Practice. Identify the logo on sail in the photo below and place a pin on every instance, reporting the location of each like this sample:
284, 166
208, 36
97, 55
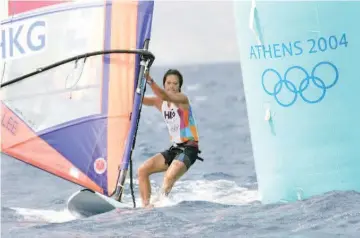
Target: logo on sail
19, 40
100, 165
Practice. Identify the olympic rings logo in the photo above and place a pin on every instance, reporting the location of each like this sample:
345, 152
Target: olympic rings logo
304, 84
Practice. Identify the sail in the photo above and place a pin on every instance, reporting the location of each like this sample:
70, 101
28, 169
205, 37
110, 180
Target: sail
73, 117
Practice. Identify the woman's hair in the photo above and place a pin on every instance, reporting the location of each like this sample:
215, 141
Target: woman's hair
174, 72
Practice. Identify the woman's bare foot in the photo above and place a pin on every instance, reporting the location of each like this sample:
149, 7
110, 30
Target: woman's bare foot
149, 206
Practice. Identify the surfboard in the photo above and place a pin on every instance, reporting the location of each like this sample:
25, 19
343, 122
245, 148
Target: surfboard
86, 203
71, 94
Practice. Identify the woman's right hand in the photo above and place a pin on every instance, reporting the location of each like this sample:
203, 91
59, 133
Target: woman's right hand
148, 78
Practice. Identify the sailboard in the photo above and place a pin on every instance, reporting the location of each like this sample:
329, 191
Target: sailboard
76, 117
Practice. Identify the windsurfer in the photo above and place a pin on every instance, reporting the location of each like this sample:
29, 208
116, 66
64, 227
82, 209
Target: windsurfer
179, 118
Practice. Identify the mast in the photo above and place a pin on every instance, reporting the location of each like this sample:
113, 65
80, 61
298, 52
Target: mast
135, 117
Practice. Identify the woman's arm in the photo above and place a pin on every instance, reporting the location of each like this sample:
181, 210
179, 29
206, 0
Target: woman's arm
152, 101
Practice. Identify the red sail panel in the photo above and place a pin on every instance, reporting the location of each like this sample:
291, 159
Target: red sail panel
18, 6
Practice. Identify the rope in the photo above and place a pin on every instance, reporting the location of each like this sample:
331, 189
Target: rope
131, 183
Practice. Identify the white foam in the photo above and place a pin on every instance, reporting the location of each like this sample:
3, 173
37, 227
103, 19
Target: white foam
219, 191
39, 215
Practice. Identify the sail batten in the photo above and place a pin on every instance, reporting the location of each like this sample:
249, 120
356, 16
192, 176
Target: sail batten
72, 117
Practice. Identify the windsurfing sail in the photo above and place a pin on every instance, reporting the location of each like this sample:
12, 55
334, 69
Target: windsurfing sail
77, 116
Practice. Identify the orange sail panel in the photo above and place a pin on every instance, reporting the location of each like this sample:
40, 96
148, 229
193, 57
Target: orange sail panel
121, 84
73, 120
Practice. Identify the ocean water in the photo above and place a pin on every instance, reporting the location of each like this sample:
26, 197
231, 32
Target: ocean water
216, 198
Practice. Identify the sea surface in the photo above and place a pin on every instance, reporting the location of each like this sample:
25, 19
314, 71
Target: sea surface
216, 198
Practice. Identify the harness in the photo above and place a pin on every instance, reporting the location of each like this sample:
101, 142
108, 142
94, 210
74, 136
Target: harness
183, 147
